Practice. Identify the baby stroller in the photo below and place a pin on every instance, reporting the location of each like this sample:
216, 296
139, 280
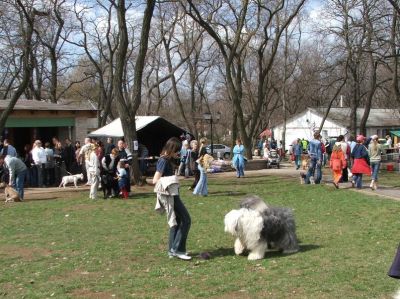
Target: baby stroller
273, 159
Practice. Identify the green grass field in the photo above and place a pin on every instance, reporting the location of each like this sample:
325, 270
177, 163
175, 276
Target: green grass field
69, 248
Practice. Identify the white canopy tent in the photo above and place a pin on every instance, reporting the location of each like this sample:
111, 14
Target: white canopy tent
152, 131
114, 128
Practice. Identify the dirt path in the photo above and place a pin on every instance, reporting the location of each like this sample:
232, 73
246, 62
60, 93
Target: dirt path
285, 171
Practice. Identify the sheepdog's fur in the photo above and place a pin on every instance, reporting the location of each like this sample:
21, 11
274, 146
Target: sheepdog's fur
258, 226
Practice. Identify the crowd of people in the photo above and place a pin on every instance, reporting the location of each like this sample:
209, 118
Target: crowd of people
44, 165
349, 160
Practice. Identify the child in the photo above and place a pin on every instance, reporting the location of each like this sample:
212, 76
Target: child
122, 179
337, 164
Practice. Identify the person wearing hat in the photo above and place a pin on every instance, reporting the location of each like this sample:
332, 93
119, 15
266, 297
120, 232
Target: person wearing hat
360, 162
375, 152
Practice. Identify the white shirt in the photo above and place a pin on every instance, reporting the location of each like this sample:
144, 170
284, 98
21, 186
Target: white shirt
38, 155
389, 142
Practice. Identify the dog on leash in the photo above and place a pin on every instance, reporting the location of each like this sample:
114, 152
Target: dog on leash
11, 194
258, 227
73, 178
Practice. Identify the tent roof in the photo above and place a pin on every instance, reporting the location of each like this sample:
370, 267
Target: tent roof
152, 131
396, 133
114, 128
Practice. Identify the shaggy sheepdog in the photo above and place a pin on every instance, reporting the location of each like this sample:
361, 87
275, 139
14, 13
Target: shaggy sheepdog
258, 227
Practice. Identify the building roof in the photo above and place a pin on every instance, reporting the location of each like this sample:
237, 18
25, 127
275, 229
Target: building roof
384, 118
377, 117
47, 106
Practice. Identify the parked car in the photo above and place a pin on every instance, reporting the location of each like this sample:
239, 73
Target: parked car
220, 150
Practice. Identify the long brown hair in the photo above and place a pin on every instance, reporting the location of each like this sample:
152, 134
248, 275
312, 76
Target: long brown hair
172, 146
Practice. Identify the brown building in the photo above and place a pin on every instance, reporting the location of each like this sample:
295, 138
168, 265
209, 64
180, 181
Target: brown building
31, 120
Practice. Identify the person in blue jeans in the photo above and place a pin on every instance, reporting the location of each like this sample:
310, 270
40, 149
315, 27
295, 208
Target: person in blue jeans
297, 151
177, 234
315, 154
375, 152
238, 158
17, 172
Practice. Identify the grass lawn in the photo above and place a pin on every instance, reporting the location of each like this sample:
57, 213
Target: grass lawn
70, 248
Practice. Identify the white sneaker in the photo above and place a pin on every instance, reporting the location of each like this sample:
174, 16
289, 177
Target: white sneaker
179, 255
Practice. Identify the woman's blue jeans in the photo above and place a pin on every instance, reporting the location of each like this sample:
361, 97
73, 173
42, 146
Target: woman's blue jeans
357, 178
297, 159
375, 170
178, 233
239, 169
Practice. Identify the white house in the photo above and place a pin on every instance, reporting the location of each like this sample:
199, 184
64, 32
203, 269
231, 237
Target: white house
303, 125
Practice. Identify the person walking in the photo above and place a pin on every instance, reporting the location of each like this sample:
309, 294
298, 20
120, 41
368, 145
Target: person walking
179, 220
17, 172
337, 163
297, 152
340, 141
193, 164
360, 162
315, 154
375, 152
238, 158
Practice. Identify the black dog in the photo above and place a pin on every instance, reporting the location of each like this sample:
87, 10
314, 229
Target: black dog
108, 183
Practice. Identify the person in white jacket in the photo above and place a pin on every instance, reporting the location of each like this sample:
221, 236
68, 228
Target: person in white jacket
39, 160
93, 167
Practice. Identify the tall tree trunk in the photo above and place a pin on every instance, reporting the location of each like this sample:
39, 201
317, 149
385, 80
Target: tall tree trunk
128, 108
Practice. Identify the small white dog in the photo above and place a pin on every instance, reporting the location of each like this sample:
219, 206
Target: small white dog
257, 226
71, 179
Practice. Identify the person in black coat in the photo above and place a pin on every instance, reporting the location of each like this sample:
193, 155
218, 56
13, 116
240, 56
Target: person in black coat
69, 155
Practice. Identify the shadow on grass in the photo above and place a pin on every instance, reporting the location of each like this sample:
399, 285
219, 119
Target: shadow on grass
226, 193
142, 195
303, 248
219, 252
36, 198
222, 252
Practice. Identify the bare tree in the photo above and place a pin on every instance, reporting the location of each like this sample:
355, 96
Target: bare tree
27, 17
127, 108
